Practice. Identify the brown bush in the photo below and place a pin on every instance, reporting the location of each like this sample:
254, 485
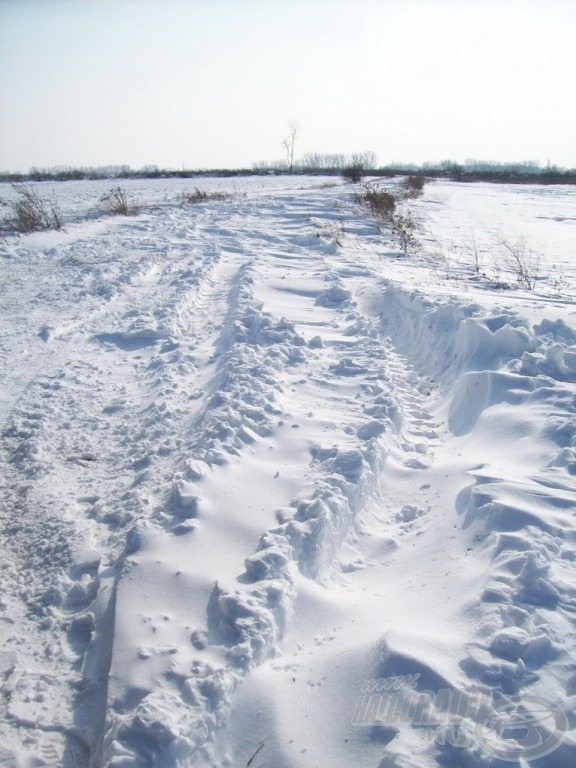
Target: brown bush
117, 203
413, 186
198, 196
381, 203
30, 213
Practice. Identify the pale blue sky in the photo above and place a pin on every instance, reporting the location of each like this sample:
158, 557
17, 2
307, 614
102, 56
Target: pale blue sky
214, 83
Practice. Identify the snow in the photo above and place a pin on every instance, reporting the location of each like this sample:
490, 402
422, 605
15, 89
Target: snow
258, 463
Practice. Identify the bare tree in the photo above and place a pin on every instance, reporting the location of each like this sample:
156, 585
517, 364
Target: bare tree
289, 142
367, 160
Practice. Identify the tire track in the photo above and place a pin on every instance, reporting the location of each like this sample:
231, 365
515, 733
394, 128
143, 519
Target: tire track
61, 549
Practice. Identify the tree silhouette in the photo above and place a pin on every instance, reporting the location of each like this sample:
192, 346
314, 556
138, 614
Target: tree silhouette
289, 142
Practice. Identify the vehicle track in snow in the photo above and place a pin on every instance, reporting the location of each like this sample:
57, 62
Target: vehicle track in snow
252, 424
295, 272
439, 499
86, 445
301, 351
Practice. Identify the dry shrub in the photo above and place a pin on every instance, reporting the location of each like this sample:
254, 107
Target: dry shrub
353, 172
413, 186
198, 196
403, 227
116, 202
30, 213
520, 259
381, 203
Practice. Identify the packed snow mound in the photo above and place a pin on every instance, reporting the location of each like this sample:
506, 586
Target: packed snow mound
278, 493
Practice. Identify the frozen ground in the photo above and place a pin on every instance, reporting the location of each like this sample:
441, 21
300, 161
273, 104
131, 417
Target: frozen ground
276, 494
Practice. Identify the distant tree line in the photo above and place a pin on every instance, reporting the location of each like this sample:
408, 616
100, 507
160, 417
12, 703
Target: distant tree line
67, 173
318, 162
526, 172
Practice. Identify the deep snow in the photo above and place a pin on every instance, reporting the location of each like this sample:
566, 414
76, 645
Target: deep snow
259, 467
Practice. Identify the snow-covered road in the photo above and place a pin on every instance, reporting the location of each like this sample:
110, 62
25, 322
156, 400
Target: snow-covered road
253, 457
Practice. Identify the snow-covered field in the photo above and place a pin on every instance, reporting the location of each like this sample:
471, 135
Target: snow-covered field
276, 494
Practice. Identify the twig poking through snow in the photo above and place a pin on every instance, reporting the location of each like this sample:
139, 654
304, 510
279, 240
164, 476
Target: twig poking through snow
254, 755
